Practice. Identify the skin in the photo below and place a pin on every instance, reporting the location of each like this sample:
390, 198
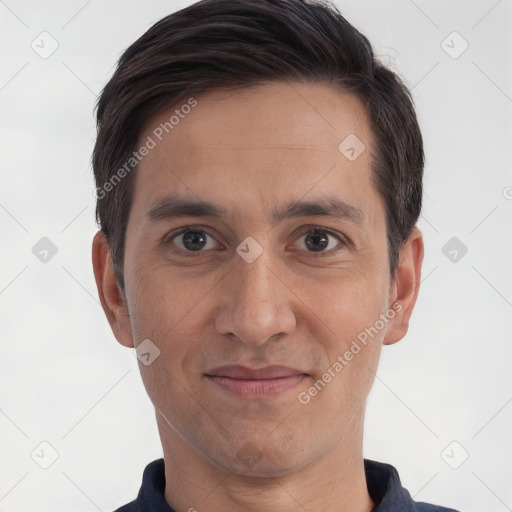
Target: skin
250, 152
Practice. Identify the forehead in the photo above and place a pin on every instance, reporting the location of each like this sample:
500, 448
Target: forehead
309, 117
258, 144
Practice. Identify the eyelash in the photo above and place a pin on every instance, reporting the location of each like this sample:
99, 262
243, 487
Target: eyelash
317, 229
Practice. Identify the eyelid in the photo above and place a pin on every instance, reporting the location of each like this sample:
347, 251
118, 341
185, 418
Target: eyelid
304, 230
342, 239
168, 239
179, 231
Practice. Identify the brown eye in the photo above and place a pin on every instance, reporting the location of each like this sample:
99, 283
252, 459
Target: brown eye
193, 240
316, 241
321, 241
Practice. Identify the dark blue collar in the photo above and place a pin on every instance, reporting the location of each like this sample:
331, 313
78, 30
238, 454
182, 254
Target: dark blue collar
382, 480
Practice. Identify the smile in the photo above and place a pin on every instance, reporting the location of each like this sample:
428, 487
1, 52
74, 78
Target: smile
258, 383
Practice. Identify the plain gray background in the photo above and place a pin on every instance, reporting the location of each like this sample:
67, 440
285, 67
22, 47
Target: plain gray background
442, 394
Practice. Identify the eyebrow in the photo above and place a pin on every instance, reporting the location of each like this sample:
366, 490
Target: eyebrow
173, 207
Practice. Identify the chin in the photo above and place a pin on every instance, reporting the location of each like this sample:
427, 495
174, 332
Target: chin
265, 467
260, 458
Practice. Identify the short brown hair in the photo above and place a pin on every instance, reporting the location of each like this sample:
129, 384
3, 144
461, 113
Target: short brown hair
215, 44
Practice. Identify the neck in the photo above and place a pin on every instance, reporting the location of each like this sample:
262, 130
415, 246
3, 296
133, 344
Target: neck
335, 482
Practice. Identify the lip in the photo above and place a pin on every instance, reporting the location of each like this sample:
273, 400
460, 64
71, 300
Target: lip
256, 382
267, 372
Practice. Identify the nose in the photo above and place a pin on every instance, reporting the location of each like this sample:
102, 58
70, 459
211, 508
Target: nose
258, 306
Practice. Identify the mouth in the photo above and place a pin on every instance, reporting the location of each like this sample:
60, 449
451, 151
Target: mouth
256, 383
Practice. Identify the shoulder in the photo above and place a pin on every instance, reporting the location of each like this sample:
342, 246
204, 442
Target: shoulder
389, 495
129, 507
151, 492
427, 507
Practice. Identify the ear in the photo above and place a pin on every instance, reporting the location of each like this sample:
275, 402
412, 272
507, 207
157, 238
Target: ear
111, 296
405, 287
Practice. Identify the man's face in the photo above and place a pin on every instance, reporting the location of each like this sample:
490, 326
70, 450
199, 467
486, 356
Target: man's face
300, 303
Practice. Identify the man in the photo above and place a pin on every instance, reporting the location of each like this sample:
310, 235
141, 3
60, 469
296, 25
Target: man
259, 178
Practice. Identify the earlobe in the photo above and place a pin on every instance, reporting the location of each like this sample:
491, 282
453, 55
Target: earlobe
406, 286
110, 294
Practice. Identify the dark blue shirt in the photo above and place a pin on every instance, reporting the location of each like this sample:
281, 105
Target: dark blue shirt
382, 480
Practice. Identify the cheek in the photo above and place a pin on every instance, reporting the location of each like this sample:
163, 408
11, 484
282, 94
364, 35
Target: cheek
160, 299
166, 312
345, 304
350, 309
351, 347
